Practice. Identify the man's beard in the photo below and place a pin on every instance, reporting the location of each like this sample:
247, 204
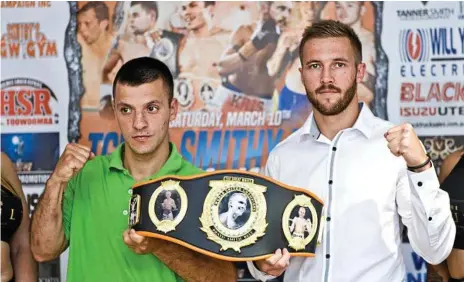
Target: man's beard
337, 108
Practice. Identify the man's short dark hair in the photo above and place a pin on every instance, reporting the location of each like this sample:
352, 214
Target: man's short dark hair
143, 70
148, 6
210, 3
331, 28
100, 8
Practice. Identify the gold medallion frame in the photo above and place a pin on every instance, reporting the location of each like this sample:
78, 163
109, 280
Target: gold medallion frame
295, 242
248, 233
168, 225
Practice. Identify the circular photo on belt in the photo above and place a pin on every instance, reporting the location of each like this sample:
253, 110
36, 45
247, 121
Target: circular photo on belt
168, 205
234, 213
299, 222
234, 210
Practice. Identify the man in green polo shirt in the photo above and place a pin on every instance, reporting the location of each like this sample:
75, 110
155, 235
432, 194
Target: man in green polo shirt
85, 202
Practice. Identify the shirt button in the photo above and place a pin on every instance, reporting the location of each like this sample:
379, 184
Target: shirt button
334, 149
327, 256
330, 182
129, 191
430, 218
328, 218
419, 183
124, 212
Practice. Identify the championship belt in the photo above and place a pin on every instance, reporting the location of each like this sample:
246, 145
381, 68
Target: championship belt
231, 215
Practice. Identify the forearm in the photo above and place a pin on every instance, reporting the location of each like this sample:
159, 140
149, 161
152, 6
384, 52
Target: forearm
193, 266
47, 233
437, 273
105, 73
112, 61
232, 63
278, 63
455, 263
25, 267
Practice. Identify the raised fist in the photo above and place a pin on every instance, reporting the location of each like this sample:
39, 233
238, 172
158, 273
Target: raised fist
71, 162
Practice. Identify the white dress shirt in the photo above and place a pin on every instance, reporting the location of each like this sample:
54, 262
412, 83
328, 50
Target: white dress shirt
366, 191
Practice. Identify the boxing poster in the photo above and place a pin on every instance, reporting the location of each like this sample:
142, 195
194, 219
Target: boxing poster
231, 112
59, 60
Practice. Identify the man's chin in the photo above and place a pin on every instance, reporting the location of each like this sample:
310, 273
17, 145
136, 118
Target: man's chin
140, 150
329, 110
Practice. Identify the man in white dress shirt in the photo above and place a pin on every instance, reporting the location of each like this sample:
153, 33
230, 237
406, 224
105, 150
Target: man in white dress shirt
370, 174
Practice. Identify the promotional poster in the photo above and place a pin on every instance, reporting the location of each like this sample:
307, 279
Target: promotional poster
59, 60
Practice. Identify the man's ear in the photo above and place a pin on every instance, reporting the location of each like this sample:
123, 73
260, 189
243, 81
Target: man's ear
104, 25
173, 108
153, 15
360, 71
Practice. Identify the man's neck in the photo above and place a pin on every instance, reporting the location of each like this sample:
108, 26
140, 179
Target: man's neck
140, 39
101, 45
143, 166
203, 31
329, 126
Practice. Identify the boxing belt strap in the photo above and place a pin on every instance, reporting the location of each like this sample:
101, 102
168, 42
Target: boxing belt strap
231, 215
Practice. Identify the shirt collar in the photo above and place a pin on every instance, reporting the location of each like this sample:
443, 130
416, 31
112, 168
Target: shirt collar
364, 124
172, 164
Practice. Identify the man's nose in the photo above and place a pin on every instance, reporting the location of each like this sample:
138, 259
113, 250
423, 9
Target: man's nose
286, 13
327, 76
140, 121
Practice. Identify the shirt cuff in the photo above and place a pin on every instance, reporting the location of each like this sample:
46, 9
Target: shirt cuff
257, 274
425, 186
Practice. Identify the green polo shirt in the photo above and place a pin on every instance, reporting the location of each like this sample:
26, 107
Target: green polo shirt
95, 214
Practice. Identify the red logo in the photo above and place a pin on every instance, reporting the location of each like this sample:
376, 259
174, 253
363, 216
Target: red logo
27, 101
413, 45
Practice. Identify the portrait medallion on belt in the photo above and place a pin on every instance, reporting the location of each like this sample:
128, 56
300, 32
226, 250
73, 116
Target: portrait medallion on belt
134, 206
168, 205
234, 212
299, 222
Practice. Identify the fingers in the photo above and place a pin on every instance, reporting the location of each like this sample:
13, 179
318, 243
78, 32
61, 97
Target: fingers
138, 244
398, 139
392, 136
85, 151
78, 151
80, 146
78, 154
284, 261
127, 239
72, 160
406, 127
395, 129
276, 264
275, 258
136, 237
